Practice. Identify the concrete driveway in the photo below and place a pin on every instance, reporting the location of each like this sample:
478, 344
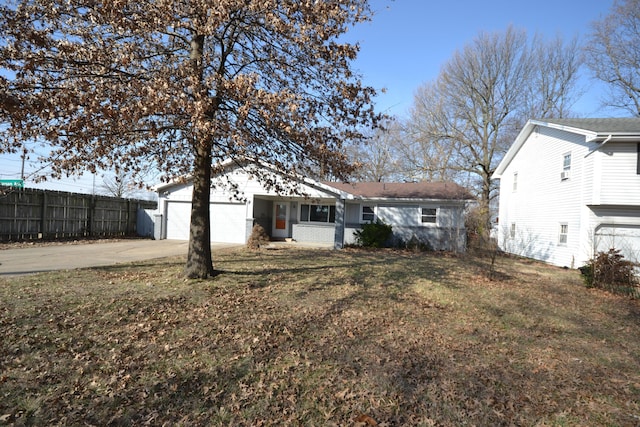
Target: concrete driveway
19, 261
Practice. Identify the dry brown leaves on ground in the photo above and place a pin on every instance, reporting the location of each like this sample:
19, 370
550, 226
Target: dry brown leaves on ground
301, 337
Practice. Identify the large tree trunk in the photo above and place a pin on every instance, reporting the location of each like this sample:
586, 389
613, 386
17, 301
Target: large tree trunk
485, 200
199, 261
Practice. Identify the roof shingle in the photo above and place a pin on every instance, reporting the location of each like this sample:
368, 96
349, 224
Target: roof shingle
404, 190
602, 125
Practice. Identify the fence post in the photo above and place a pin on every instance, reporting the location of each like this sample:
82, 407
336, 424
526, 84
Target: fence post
43, 216
91, 214
128, 231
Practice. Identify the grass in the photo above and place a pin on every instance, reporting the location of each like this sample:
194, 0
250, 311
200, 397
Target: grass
301, 337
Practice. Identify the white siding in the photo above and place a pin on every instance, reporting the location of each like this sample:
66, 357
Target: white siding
542, 200
247, 186
620, 183
399, 215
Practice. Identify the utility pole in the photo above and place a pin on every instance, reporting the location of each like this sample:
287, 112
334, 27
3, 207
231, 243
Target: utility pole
24, 156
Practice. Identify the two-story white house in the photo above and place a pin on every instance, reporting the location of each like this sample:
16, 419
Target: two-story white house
570, 188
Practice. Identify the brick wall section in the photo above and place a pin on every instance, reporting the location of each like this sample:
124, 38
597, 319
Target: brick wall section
314, 233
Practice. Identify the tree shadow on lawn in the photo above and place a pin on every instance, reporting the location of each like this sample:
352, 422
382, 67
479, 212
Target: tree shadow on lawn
373, 365
365, 347
352, 270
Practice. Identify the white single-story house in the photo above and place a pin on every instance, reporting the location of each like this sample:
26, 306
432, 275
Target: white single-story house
326, 213
570, 188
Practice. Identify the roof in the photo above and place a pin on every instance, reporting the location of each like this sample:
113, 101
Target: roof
600, 130
403, 190
630, 125
366, 190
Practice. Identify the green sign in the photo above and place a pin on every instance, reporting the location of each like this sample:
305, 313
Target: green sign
18, 183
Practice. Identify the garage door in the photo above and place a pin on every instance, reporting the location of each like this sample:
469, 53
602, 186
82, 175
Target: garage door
178, 217
227, 222
626, 238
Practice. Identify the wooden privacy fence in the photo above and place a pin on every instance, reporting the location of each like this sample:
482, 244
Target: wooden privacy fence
28, 214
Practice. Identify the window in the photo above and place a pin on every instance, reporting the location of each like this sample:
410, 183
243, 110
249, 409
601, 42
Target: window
512, 230
564, 232
317, 213
515, 181
566, 166
429, 215
368, 214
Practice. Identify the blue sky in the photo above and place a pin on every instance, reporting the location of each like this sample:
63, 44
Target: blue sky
409, 40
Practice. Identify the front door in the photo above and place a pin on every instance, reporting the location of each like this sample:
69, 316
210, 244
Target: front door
280, 220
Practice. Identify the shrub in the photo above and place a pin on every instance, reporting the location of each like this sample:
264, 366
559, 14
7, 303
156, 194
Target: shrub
373, 235
258, 237
610, 271
479, 239
477, 225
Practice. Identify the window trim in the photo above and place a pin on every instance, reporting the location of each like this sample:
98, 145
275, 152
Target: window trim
563, 237
566, 168
373, 212
435, 216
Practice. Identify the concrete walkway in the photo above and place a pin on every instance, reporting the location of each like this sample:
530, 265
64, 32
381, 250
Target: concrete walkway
19, 261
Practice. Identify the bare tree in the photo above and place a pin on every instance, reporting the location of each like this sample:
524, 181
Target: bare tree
466, 119
423, 155
553, 87
614, 54
376, 157
182, 85
120, 184
116, 186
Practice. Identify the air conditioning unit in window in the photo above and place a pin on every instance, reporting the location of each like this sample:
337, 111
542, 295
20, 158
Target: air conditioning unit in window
564, 175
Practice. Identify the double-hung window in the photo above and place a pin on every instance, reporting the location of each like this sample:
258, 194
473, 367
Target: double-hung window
564, 234
566, 166
429, 215
368, 214
515, 181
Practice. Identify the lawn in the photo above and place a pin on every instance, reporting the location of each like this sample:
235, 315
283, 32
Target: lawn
302, 337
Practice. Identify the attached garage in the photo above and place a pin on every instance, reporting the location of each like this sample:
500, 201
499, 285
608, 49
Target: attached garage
624, 237
313, 213
228, 223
